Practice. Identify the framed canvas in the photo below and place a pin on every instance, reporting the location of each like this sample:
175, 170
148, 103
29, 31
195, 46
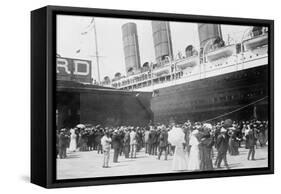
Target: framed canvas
126, 96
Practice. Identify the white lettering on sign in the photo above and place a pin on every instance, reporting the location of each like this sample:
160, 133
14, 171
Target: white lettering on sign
78, 63
80, 67
63, 63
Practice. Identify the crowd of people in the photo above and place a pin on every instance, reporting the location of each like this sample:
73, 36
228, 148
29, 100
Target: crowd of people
192, 145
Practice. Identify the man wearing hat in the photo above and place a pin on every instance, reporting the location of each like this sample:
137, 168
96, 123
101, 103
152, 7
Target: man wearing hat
222, 147
163, 142
252, 139
133, 143
150, 139
116, 144
105, 142
146, 140
63, 143
98, 136
127, 143
153, 143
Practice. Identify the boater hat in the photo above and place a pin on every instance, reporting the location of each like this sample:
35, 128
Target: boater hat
195, 132
223, 130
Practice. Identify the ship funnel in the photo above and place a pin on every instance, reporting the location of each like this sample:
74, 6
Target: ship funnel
162, 40
131, 47
208, 32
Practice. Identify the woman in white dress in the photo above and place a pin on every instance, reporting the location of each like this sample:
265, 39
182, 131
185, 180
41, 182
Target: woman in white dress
72, 144
194, 157
176, 138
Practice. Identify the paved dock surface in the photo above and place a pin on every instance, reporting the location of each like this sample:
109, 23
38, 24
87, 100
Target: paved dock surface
89, 164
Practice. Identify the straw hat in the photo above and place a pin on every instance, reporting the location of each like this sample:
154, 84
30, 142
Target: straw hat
223, 130
195, 132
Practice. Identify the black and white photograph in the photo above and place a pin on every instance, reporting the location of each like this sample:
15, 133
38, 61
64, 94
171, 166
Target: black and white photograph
146, 97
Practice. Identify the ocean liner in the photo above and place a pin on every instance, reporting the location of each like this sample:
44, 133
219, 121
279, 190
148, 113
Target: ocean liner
215, 81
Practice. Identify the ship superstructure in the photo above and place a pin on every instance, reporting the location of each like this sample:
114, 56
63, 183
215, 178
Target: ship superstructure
193, 85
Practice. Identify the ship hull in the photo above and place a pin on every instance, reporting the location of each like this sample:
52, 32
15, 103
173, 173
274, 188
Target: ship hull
240, 95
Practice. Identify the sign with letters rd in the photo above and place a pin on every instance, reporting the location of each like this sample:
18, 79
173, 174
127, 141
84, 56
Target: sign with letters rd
79, 70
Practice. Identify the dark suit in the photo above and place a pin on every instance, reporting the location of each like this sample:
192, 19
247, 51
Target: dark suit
154, 139
163, 144
222, 147
63, 144
252, 140
97, 140
205, 149
91, 141
127, 144
122, 135
150, 141
116, 144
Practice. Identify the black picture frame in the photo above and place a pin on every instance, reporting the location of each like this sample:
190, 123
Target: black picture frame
43, 85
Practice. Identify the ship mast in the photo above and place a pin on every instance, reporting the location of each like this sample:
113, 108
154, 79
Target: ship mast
97, 52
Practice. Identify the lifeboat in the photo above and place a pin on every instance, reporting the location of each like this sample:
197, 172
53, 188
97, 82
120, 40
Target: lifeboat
255, 42
188, 62
221, 52
162, 71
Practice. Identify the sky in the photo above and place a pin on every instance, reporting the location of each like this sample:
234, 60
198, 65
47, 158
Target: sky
71, 37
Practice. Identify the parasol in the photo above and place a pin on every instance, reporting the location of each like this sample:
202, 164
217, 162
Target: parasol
208, 126
80, 126
176, 136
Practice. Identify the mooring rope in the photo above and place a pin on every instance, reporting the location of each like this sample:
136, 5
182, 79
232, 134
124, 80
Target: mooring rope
236, 110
